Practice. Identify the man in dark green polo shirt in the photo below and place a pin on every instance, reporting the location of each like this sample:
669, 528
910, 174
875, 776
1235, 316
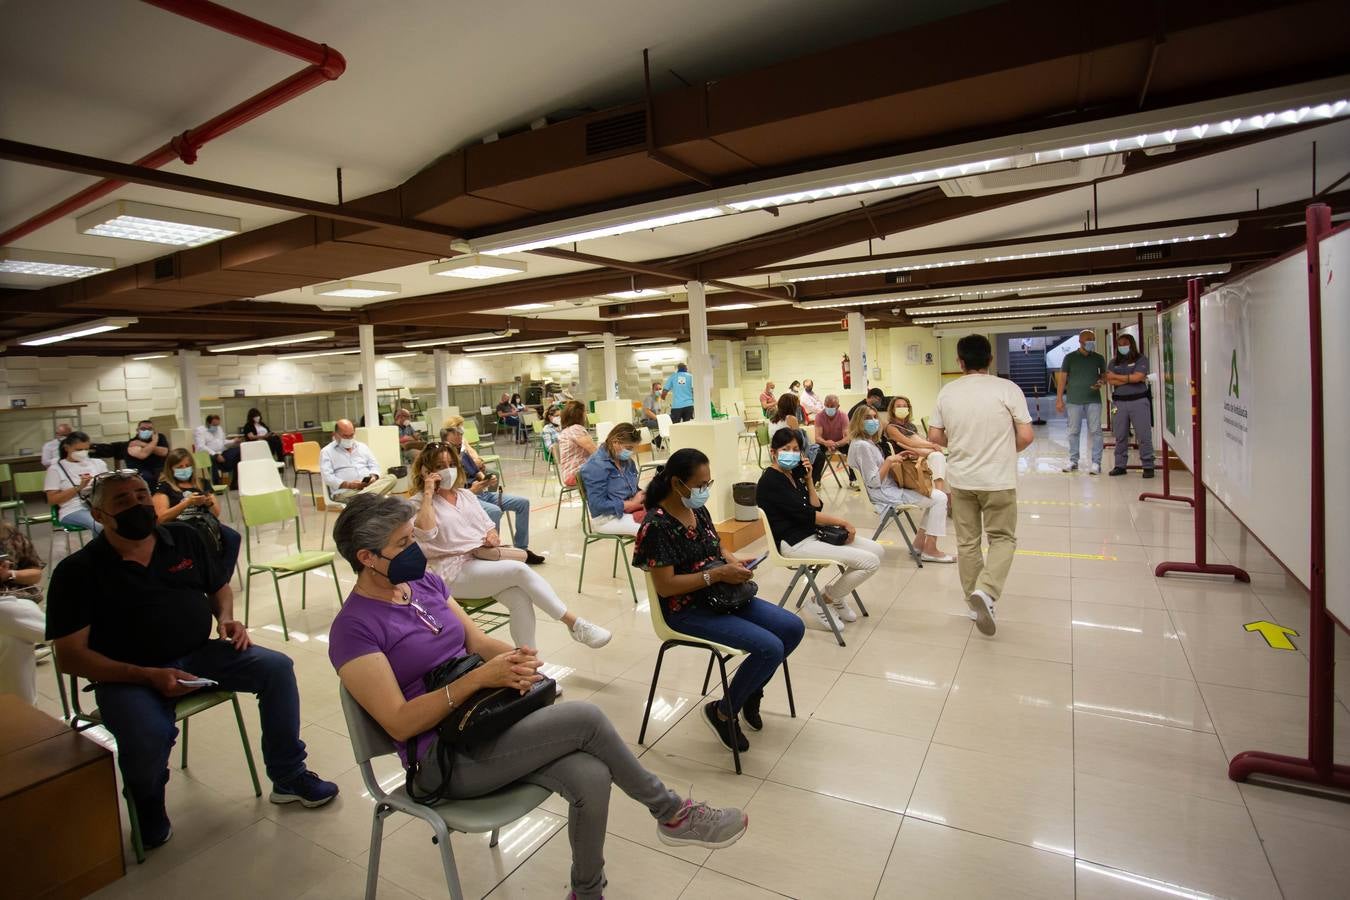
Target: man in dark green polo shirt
1080, 378
131, 612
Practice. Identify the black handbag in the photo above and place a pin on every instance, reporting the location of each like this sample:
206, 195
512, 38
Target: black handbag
832, 534
724, 597
481, 717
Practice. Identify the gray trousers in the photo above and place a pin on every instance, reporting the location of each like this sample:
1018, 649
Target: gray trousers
573, 750
1139, 414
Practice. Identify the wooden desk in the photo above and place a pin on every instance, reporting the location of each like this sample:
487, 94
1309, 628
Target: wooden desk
735, 535
59, 803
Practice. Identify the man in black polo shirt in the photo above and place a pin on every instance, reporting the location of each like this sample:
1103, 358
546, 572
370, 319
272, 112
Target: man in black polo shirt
131, 612
876, 398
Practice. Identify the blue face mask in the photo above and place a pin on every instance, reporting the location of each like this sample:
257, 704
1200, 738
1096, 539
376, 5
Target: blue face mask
831, 411
145, 435
182, 474
409, 565
872, 426
1089, 346
625, 454
789, 459
698, 497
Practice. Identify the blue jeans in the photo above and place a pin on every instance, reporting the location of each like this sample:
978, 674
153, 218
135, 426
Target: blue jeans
82, 517
142, 721
1093, 413
767, 632
493, 502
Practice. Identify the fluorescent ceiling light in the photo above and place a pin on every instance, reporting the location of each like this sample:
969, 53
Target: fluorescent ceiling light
834, 322
304, 338
530, 307
461, 339
79, 330
513, 352
641, 294
1054, 300
585, 228
731, 307
476, 267
1038, 314
350, 352
400, 355
645, 315
359, 290
1026, 250
135, 221
151, 356
52, 265
634, 342
1047, 285
476, 350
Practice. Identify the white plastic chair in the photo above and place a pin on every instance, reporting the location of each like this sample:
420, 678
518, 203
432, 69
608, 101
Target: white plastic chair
260, 476
602, 430
490, 812
719, 653
805, 568
663, 424
253, 450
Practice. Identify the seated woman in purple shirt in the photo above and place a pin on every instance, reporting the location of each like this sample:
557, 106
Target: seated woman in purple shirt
399, 623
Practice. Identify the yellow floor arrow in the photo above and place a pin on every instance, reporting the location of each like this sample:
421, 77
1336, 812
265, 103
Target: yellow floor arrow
1275, 635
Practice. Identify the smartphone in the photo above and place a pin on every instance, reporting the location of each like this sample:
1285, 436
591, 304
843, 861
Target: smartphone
754, 562
197, 682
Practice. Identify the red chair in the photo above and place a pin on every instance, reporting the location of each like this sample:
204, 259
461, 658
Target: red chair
289, 440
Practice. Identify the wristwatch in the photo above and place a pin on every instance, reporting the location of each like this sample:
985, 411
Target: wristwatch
707, 579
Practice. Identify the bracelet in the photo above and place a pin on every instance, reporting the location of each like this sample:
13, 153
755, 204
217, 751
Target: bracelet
707, 579
449, 701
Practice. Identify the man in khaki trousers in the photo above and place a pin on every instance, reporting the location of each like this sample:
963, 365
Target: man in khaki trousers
983, 422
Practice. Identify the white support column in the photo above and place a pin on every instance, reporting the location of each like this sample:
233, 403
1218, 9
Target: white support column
441, 363
611, 367
857, 352
700, 361
370, 406
733, 363
190, 388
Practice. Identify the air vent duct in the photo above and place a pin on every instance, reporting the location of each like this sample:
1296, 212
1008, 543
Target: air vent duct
166, 267
622, 132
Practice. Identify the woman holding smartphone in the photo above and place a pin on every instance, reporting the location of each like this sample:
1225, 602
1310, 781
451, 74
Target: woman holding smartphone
678, 544
787, 494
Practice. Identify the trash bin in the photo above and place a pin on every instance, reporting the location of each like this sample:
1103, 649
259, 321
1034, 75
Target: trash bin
743, 497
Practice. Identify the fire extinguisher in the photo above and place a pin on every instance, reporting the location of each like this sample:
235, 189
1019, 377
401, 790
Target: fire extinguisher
847, 372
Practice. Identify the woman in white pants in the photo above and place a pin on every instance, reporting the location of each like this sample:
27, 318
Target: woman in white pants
880, 478
901, 434
464, 549
787, 494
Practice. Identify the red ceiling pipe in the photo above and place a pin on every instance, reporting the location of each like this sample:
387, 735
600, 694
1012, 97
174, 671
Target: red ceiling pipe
325, 64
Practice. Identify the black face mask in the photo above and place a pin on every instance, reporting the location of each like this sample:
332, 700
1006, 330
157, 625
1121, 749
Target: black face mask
136, 523
409, 564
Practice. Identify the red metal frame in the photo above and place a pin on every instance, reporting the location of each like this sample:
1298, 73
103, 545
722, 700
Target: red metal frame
325, 64
1162, 436
1201, 566
1318, 767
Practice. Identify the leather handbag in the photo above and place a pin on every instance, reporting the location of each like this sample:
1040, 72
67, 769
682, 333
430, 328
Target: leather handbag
916, 476
832, 534
725, 597
480, 718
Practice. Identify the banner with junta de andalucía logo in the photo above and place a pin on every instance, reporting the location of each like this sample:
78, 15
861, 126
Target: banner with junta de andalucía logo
1232, 324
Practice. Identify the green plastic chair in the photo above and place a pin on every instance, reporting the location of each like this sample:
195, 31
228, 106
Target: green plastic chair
537, 440
202, 459
59, 527
621, 543
761, 441
480, 610
328, 426
471, 439
30, 483
265, 509
16, 504
563, 489
183, 710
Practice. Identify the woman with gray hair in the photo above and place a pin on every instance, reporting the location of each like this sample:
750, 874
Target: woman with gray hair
399, 623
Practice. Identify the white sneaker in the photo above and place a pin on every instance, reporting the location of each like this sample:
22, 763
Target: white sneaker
982, 611
591, 635
843, 611
821, 619
1071, 467
1094, 469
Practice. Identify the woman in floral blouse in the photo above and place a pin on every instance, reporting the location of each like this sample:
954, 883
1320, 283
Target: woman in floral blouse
679, 545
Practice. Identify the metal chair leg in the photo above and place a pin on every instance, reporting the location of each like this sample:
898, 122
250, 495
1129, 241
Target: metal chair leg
787, 680
862, 609
182, 761
825, 607
276, 583
442, 838
707, 676
726, 693
376, 841
492, 841
586, 545
651, 694
248, 751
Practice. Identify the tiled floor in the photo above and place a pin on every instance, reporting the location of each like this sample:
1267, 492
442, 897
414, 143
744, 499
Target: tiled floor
1082, 751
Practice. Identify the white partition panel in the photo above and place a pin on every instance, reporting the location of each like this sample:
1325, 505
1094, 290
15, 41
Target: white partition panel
1174, 341
1335, 280
1255, 403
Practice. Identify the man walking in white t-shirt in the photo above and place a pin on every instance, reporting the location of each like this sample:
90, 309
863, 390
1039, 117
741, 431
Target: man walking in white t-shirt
983, 422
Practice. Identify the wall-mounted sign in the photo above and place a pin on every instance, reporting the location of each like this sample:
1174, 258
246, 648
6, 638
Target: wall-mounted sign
239, 392
18, 404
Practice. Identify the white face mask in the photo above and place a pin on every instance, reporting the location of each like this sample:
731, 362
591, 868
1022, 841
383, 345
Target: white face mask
214, 429
78, 455
555, 420
346, 443
448, 476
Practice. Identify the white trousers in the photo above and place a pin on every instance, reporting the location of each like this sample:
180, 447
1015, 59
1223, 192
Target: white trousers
624, 524
861, 558
937, 464
934, 519
22, 624
517, 587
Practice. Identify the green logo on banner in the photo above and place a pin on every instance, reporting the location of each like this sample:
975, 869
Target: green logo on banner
1233, 385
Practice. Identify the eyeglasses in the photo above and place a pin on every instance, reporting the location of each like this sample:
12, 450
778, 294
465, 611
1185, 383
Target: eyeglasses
427, 618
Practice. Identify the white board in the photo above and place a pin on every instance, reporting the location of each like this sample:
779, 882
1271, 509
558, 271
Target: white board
1335, 280
1254, 400
1174, 368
